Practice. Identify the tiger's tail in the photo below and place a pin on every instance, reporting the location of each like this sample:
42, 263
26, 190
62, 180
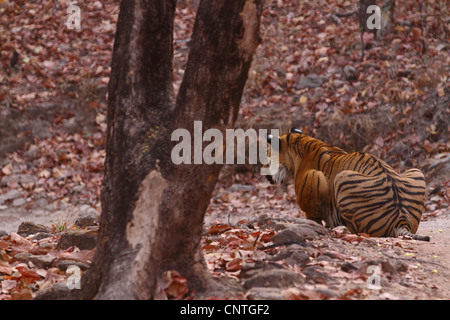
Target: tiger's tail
403, 232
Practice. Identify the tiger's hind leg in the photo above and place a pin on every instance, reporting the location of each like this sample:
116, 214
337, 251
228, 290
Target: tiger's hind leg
311, 189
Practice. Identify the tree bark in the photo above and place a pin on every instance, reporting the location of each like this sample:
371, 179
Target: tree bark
152, 210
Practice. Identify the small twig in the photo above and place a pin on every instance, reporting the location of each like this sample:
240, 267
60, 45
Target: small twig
254, 243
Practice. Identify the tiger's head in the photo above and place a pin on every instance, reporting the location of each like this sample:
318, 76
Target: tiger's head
281, 164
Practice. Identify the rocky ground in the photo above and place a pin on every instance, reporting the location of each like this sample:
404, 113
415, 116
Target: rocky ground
258, 244
276, 254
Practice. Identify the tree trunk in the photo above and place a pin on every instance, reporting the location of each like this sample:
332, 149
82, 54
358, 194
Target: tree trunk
152, 209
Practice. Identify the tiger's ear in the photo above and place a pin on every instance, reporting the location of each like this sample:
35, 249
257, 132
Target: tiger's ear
296, 130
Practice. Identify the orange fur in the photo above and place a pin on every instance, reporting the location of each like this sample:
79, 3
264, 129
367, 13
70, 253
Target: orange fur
357, 190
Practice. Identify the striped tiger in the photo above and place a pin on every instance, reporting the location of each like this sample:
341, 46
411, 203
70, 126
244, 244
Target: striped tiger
357, 190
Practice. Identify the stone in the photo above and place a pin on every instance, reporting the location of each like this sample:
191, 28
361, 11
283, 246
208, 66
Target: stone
65, 263
32, 153
46, 245
298, 258
259, 293
315, 274
42, 235
241, 188
59, 291
42, 261
265, 222
27, 228
350, 73
273, 278
23, 179
308, 229
10, 195
86, 221
310, 81
82, 239
41, 203
287, 235
39, 261
19, 202
437, 170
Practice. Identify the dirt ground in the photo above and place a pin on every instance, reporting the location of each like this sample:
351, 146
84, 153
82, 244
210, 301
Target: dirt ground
329, 264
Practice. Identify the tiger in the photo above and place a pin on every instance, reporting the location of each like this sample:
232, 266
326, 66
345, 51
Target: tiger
356, 190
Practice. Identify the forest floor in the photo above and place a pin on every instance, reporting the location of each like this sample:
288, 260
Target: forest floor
307, 72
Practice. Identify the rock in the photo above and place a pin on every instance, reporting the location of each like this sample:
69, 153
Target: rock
259, 293
275, 224
323, 257
333, 254
41, 203
250, 270
348, 267
287, 235
10, 195
273, 278
263, 221
307, 229
241, 188
298, 258
65, 263
23, 179
46, 245
437, 170
19, 202
85, 209
315, 274
310, 81
42, 235
86, 221
27, 227
32, 153
350, 73
393, 266
59, 291
40, 261
78, 188
82, 239
327, 293
3, 233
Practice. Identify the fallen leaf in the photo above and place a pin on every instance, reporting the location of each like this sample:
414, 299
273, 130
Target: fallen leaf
216, 229
234, 265
175, 285
5, 268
